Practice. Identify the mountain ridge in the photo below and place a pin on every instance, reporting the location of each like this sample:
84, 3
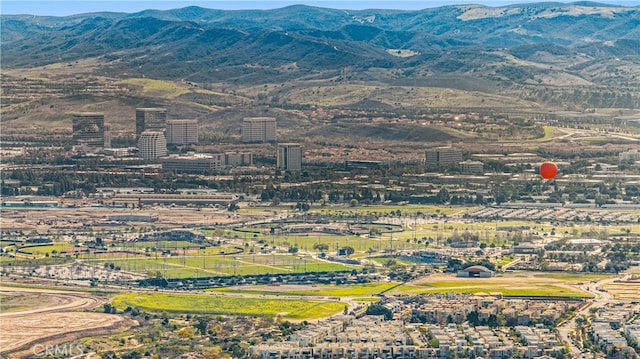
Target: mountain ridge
521, 49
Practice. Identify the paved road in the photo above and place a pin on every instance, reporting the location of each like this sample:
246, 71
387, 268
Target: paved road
601, 298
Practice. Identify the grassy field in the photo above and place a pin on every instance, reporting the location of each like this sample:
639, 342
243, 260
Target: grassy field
171, 245
355, 290
11, 303
538, 291
548, 135
384, 260
575, 277
366, 300
157, 88
42, 250
516, 285
216, 265
409, 209
205, 304
408, 96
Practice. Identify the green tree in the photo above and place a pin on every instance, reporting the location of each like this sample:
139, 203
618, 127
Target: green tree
434, 343
443, 196
347, 250
202, 325
322, 247
377, 309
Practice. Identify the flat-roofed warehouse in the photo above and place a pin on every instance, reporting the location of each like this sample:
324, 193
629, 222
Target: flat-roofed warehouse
178, 199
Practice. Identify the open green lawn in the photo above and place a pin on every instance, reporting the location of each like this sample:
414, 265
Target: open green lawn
538, 290
504, 260
384, 260
366, 299
206, 304
511, 284
575, 277
355, 290
57, 247
548, 135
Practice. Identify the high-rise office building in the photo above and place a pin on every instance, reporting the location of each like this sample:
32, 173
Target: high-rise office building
289, 156
259, 129
182, 132
88, 129
152, 145
150, 119
442, 156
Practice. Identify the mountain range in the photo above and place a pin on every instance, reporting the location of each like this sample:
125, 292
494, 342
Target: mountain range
542, 51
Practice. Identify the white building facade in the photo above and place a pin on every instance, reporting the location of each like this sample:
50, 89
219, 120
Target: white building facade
152, 145
182, 132
259, 129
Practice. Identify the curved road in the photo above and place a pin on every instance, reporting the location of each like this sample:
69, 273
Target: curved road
601, 298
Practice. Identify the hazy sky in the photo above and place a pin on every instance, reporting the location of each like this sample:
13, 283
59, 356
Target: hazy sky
61, 8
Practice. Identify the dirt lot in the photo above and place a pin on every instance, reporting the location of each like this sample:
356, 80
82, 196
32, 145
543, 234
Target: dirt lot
62, 219
624, 290
57, 320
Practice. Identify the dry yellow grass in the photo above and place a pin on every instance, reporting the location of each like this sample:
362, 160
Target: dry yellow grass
157, 88
406, 96
629, 290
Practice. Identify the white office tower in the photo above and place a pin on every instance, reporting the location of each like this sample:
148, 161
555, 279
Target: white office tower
289, 157
152, 145
443, 156
259, 129
182, 132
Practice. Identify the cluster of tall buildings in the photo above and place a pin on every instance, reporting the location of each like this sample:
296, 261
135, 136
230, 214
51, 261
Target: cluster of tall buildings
262, 130
154, 132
